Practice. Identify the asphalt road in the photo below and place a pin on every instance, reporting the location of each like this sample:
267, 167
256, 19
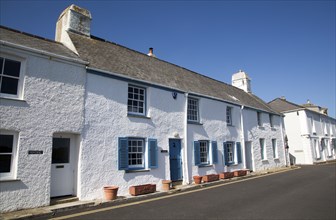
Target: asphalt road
306, 193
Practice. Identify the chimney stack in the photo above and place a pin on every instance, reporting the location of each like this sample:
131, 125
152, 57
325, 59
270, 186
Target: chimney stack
151, 54
242, 81
75, 19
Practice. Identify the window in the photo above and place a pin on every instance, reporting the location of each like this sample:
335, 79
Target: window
10, 77
193, 109
8, 145
229, 115
271, 120
135, 152
275, 148
136, 103
317, 150
262, 149
132, 154
232, 153
204, 151
203, 155
229, 151
259, 118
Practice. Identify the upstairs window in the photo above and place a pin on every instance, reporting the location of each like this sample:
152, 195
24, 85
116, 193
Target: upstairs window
271, 117
229, 115
136, 103
193, 110
259, 119
10, 77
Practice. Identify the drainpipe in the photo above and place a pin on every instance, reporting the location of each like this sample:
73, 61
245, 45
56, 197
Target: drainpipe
284, 141
185, 148
243, 136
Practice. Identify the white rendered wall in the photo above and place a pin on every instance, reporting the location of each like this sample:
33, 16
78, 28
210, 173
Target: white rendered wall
213, 127
52, 102
252, 133
106, 120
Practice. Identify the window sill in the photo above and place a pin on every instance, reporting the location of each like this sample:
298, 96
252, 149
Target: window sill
13, 99
276, 158
265, 160
137, 116
273, 129
136, 171
205, 165
194, 123
9, 179
261, 127
230, 125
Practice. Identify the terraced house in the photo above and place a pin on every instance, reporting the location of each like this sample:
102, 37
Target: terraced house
310, 131
80, 112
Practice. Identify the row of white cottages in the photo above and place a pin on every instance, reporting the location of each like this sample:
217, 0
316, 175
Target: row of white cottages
80, 113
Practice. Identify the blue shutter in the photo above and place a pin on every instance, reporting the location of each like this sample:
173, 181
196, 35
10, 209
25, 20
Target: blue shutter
197, 153
225, 154
239, 156
214, 152
153, 155
123, 154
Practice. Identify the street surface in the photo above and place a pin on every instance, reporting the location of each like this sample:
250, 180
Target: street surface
306, 193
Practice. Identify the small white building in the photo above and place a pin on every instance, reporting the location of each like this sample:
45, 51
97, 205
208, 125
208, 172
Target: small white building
93, 113
41, 114
310, 131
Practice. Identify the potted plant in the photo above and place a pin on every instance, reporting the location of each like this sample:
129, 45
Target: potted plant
226, 175
111, 192
210, 178
142, 189
197, 179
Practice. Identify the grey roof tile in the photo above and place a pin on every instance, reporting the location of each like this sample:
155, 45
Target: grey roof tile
114, 58
35, 42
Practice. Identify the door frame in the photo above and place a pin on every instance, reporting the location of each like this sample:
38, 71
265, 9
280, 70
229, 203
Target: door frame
74, 153
180, 154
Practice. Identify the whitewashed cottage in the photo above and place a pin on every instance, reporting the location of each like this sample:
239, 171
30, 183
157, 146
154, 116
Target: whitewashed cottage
109, 115
310, 131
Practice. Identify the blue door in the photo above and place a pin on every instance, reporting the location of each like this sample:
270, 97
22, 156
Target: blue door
175, 159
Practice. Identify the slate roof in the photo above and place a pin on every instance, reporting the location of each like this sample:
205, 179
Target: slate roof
282, 105
114, 58
35, 42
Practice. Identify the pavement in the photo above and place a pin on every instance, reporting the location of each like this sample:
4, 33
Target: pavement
49, 211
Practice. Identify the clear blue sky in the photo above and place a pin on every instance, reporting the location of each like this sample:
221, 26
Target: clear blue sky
286, 47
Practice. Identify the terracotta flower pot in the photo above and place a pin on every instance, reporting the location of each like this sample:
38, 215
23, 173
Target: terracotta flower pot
197, 179
111, 192
142, 189
166, 184
210, 178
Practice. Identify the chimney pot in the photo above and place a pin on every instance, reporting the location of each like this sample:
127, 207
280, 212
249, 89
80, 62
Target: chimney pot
151, 54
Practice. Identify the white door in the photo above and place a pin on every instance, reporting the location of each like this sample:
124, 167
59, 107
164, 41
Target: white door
62, 166
248, 155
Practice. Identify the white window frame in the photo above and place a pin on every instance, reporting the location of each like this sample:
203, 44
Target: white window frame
229, 115
144, 101
231, 153
22, 61
204, 152
13, 166
263, 149
275, 149
138, 165
193, 110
